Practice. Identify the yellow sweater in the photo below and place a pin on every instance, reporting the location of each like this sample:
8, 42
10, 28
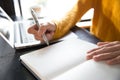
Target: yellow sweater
106, 19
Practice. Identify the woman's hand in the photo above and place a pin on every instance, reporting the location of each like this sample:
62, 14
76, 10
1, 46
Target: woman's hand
106, 51
47, 28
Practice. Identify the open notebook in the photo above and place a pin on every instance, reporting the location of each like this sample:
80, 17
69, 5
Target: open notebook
66, 60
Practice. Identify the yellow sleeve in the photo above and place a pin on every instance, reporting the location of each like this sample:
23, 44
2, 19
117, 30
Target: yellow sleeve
71, 17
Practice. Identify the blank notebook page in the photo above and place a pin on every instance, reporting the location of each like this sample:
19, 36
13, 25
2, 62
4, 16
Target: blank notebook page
56, 59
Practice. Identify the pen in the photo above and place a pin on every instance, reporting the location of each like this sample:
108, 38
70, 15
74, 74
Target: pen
37, 23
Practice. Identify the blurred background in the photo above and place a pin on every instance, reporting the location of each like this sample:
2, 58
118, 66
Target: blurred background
20, 9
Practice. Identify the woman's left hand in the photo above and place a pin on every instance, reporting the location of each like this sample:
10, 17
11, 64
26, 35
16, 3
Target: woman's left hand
106, 51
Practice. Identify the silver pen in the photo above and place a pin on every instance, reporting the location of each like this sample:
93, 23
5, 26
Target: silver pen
37, 23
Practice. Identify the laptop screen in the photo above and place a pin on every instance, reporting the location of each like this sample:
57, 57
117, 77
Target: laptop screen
16, 31
6, 24
4, 15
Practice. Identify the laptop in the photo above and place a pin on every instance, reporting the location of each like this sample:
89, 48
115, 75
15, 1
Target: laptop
16, 31
17, 34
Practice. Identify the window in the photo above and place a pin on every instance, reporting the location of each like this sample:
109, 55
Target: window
51, 8
22, 7
48, 7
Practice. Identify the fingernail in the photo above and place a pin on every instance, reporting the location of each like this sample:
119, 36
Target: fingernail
88, 52
96, 58
88, 56
110, 63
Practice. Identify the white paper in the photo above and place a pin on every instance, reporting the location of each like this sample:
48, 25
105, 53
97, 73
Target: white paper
91, 70
56, 59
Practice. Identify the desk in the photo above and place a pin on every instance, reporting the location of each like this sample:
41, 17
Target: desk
12, 69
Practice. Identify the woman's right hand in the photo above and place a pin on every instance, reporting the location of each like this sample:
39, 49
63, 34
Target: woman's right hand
47, 28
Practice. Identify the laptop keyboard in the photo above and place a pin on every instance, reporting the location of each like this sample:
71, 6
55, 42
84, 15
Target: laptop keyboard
21, 34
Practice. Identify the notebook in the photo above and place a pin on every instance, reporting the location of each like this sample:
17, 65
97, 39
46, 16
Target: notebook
17, 31
66, 60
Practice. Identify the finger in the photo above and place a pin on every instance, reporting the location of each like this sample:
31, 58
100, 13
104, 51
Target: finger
96, 50
103, 50
49, 35
106, 56
102, 43
33, 29
99, 47
45, 29
93, 50
37, 37
114, 61
42, 29
106, 44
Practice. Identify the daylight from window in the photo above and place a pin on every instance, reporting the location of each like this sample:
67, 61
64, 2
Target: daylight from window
53, 8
